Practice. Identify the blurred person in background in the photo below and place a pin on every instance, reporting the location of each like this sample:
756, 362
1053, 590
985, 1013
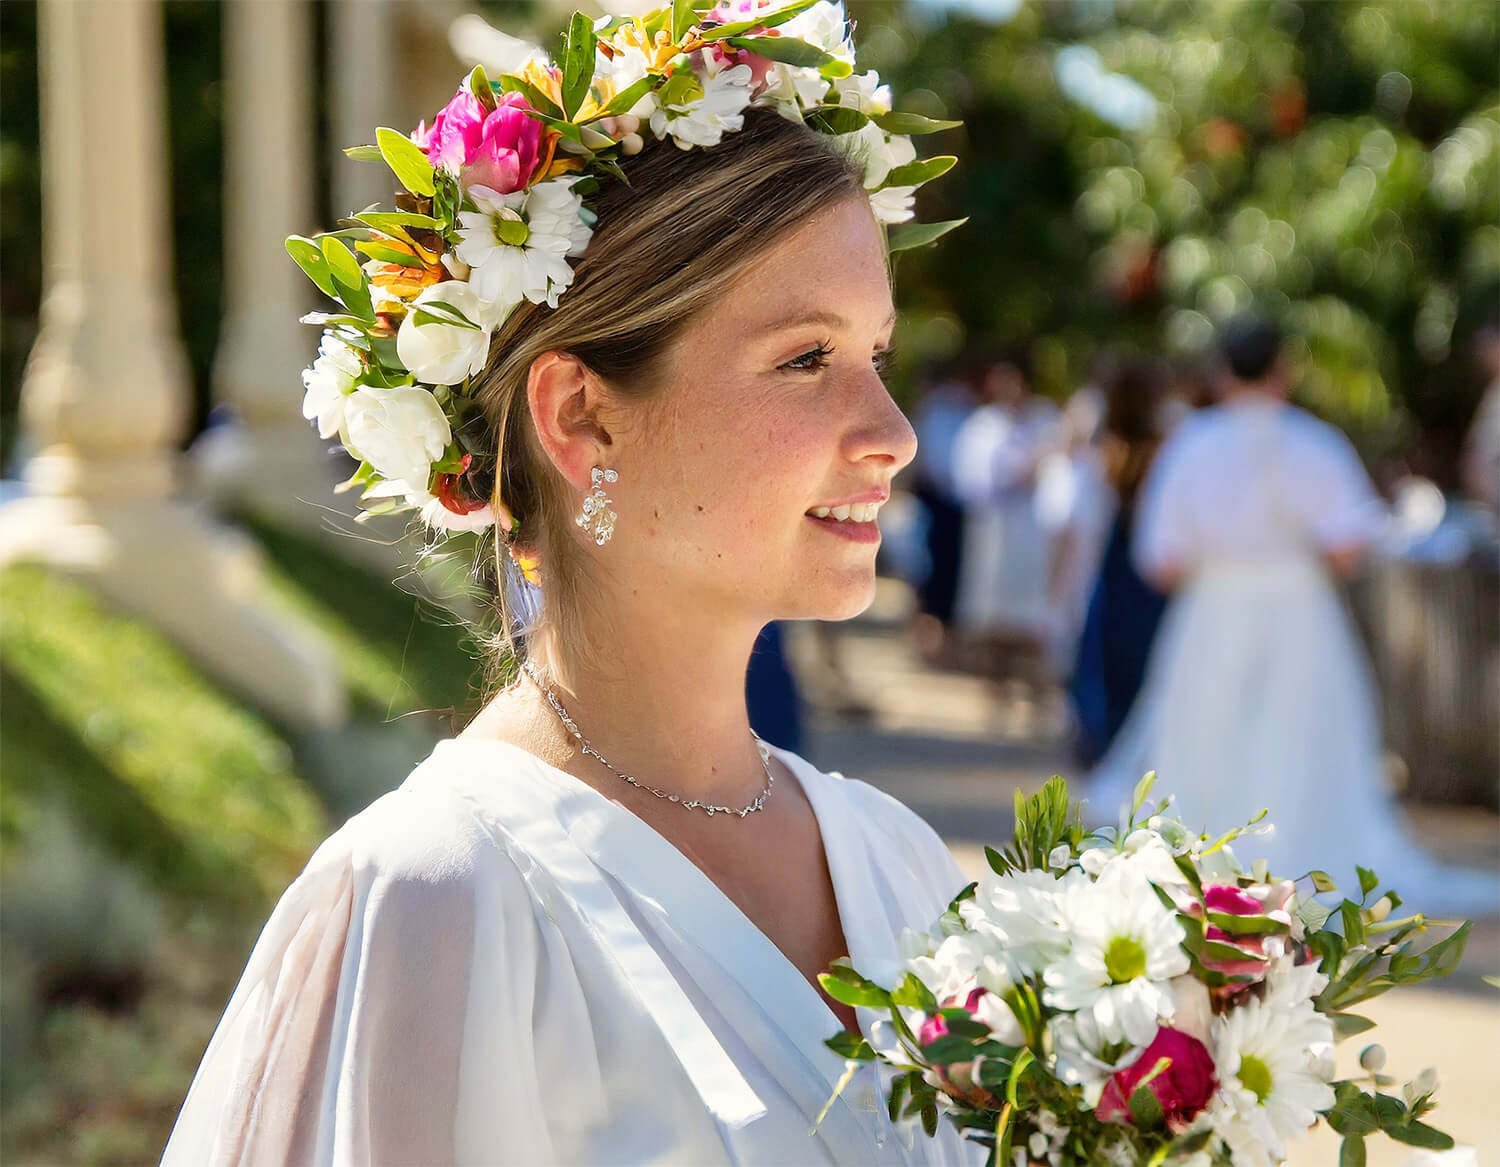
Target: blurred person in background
1124, 610
1258, 692
1002, 604
1074, 505
940, 414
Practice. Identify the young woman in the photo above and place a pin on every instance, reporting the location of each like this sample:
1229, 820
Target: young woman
588, 929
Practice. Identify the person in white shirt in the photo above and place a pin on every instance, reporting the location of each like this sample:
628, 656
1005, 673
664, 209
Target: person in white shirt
1259, 694
1003, 604
589, 928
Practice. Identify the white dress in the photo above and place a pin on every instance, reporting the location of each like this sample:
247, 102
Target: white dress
495, 963
1258, 694
1002, 586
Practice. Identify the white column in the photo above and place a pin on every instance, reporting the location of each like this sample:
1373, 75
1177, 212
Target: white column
361, 95
105, 394
269, 459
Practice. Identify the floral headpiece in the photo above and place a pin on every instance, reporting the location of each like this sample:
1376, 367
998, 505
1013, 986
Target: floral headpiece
495, 203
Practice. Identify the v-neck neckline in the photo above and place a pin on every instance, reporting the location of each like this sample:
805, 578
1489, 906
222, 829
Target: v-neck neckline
600, 832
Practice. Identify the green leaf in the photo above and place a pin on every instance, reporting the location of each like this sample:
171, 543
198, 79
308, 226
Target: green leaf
1018, 1070
441, 312
1248, 925
365, 153
684, 16
997, 861
1141, 793
898, 1095
923, 170
912, 123
1367, 880
770, 20
1419, 1134
1354, 925
1312, 913
1321, 881
309, 257
847, 987
947, 1049
578, 63
406, 160
385, 220
348, 279
930, 1119
538, 100
841, 119
913, 994
384, 252
1349, 1024
1145, 1109
834, 68
787, 50
1353, 1111
479, 86
624, 101
1352, 1151
851, 1045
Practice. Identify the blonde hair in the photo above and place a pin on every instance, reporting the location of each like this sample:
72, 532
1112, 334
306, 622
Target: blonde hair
666, 247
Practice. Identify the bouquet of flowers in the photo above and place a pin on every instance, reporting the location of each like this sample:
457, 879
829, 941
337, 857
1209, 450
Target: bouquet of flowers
1134, 995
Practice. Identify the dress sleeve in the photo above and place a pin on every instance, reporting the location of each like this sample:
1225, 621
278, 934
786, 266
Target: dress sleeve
342, 1042
1163, 524
1346, 511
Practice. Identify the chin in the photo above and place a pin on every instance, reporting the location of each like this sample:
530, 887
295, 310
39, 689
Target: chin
840, 596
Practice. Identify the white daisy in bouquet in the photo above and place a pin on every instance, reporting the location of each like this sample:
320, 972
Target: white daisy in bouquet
1134, 995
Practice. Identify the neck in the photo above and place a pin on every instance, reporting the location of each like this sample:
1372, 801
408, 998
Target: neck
667, 708
1268, 390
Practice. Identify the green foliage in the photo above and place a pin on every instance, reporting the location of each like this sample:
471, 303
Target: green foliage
160, 766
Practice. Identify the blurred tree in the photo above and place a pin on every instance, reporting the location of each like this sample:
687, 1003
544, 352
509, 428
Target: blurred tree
1137, 171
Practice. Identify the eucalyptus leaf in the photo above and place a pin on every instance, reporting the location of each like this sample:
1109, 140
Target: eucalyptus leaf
930, 1119
1349, 1024
1352, 1151
923, 170
787, 50
1419, 1134
406, 160
912, 123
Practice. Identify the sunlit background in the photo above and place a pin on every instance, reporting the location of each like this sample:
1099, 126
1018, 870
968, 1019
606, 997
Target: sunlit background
205, 667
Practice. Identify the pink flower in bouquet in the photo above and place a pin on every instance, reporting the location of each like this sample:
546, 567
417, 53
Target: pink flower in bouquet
1258, 949
497, 148
958, 1077
1182, 1089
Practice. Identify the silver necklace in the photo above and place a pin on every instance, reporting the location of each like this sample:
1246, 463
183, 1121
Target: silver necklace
709, 809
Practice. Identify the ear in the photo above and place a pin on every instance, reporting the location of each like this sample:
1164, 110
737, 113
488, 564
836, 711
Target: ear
567, 400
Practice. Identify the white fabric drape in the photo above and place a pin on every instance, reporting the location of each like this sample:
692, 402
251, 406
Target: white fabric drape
496, 964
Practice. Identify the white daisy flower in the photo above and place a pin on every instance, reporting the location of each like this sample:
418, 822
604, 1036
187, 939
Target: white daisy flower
790, 89
328, 381
1124, 947
1020, 915
517, 245
1274, 1062
1086, 1057
703, 121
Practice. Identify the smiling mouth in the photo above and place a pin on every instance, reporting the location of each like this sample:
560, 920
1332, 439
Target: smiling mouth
859, 512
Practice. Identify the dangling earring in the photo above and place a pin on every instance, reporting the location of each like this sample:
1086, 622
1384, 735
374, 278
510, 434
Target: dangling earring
596, 509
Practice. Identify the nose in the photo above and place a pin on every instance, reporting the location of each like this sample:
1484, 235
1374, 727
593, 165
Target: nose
880, 431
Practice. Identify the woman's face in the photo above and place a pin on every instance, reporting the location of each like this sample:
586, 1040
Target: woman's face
772, 419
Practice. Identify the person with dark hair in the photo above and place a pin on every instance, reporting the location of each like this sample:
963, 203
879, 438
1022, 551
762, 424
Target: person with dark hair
1124, 610
1258, 693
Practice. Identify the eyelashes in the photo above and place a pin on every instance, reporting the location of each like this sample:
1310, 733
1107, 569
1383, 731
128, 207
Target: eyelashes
815, 360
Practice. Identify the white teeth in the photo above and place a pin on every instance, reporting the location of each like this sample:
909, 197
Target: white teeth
820, 512
863, 512
858, 512
840, 513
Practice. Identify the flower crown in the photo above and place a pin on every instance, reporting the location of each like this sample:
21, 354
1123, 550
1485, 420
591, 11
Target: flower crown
495, 204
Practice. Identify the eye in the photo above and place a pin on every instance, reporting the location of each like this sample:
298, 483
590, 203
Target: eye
814, 360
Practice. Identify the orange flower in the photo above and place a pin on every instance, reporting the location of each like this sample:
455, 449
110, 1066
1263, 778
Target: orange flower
400, 280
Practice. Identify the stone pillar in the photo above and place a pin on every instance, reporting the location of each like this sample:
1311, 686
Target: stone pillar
362, 49
269, 458
105, 395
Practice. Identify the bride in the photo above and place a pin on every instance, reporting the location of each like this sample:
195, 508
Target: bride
588, 928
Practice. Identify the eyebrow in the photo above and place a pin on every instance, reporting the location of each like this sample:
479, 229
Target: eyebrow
829, 319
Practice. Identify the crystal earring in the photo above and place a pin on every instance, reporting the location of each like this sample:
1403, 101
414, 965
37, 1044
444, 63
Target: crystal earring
596, 509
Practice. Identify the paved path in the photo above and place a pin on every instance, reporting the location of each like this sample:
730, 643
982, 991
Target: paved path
947, 746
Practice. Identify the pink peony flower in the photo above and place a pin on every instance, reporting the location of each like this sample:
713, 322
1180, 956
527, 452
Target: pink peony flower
935, 1026
496, 148
1182, 1089
1259, 949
